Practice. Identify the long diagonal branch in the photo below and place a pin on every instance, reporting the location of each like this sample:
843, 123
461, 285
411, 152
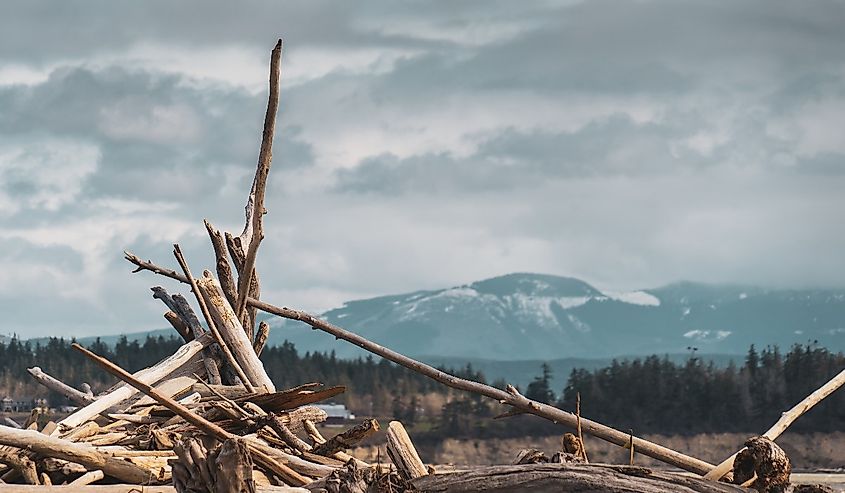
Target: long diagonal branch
510, 397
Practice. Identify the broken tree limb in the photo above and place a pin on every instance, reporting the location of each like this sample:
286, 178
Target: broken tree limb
512, 397
785, 421
232, 333
403, 453
261, 454
348, 439
253, 229
212, 326
224, 270
60, 387
179, 325
79, 453
260, 338
149, 375
180, 306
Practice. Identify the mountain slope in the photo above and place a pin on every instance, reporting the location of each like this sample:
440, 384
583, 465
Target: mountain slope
532, 316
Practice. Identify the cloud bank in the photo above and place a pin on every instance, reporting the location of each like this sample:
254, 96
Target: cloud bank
419, 145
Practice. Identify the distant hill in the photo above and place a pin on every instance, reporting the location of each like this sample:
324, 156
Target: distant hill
527, 318
543, 317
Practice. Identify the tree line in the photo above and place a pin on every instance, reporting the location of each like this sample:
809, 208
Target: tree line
651, 394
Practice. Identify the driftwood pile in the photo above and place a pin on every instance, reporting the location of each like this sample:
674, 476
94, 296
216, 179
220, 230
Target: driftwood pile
209, 419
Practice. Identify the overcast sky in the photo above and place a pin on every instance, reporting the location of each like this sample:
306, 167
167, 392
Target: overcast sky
419, 145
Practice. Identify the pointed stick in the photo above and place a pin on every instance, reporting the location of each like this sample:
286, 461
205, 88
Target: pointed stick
254, 230
580, 436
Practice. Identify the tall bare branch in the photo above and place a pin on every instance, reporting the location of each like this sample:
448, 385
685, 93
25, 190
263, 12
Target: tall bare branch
253, 229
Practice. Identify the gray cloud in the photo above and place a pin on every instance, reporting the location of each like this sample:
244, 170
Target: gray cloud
418, 145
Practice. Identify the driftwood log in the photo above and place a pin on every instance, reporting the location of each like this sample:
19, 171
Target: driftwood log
232, 333
79, 453
403, 453
56, 385
553, 478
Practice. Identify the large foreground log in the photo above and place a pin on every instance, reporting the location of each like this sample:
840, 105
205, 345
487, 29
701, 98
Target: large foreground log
74, 452
541, 478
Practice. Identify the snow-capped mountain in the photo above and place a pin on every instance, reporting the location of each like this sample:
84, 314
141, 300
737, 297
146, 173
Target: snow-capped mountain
533, 316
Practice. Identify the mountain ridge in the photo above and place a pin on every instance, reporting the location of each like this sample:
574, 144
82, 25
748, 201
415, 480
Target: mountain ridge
536, 317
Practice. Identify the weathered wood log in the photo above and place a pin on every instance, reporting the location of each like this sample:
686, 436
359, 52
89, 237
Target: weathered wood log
20, 462
226, 468
232, 333
79, 453
211, 353
403, 453
348, 439
88, 478
785, 420
149, 375
253, 229
11, 422
60, 387
548, 478
131, 488
281, 401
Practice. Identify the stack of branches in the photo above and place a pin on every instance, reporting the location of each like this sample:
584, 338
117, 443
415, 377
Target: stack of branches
208, 418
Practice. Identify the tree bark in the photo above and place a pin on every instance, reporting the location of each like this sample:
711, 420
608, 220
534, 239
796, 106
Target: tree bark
548, 478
